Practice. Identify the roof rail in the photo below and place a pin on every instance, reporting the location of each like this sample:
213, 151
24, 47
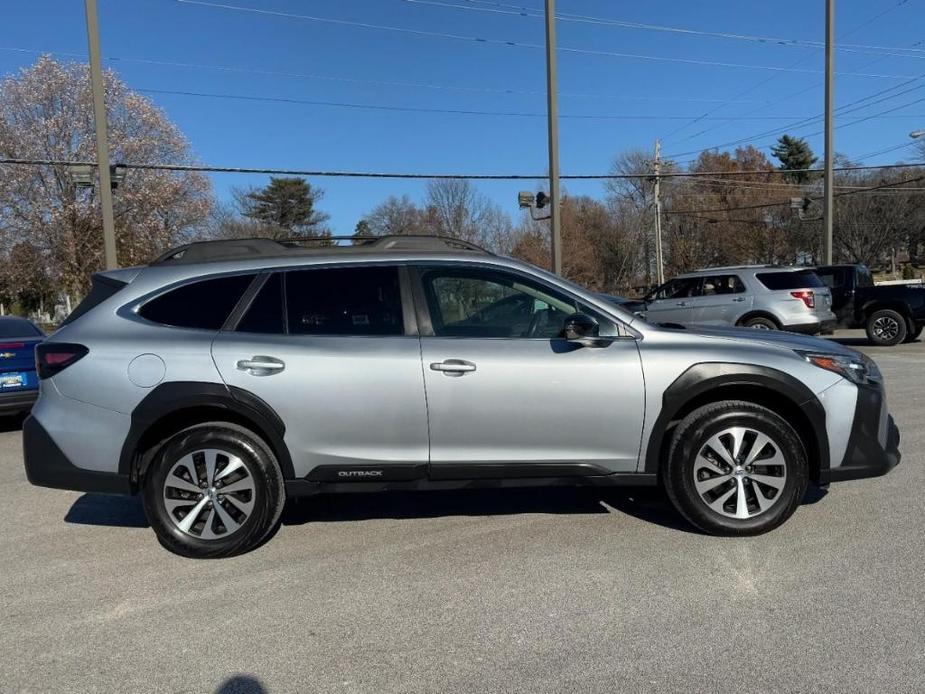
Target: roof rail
241, 249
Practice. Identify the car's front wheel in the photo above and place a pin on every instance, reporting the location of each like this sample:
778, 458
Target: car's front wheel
886, 328
213, 490
735, 468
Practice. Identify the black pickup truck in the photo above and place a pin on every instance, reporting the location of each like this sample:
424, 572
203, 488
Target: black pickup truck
890, 314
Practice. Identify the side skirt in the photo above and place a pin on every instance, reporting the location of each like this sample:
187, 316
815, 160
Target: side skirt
328, 479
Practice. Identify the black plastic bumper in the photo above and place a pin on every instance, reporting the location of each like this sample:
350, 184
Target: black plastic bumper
864, 456
18, 401
47, 466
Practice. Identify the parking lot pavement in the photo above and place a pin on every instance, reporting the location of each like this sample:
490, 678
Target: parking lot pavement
513, 591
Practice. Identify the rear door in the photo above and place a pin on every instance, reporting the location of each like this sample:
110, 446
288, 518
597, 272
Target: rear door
334, 351
672, 303
506, 395
721, 300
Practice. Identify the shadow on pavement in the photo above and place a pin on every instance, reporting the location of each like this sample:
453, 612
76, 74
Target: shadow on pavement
648, 504
241, 684
11, 423
107, 510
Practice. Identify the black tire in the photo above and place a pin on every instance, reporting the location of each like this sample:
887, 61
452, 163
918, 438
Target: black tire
691, 437
914, 334
266, 497
886, 327
761, 323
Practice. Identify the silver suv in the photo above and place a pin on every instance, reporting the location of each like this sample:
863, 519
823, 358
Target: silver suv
228, 375
767, 297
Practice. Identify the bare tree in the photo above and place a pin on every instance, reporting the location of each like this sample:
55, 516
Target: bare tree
46, 113
395, 216
458, 209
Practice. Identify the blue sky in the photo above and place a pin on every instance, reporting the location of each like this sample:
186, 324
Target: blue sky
469, 75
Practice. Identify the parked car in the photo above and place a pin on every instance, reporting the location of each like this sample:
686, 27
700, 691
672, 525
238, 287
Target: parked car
890, 314
19, 384
227, 375
632, 305
766, 297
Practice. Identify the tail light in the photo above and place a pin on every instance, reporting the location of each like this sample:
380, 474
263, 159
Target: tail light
54, 357
806, 296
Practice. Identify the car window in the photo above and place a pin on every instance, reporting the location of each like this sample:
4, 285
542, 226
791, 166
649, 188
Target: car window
793, 279
344, 301
18, 327
679, 288
205, 304
464, 303
831, 277
721, 284
864, 278
265, 314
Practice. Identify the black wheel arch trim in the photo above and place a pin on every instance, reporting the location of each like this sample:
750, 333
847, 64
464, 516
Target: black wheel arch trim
758, 314
174, 397
699, 379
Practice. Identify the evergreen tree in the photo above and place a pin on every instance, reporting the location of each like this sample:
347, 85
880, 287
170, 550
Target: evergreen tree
794, 154
287, 206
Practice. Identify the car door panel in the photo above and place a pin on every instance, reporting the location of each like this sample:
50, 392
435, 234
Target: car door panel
672, 302
348, 399
531, 400
722, 300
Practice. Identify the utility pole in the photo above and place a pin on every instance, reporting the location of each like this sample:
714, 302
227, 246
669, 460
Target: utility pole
828, 203
659, 259
552, 115
102, 140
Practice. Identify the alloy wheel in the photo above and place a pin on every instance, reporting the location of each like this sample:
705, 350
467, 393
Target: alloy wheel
886, 328
209, 494
740, 473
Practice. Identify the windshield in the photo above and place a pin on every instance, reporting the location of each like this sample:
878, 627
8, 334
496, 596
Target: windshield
17, 327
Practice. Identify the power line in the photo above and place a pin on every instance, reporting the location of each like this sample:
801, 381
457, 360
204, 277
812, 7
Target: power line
424, 109
535, 13
423, 176
356, 80
518, 44
781, 204
802, 60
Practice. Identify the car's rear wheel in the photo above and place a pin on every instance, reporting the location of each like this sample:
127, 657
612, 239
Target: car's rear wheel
886, 327
735, 468
213, 490
761, 323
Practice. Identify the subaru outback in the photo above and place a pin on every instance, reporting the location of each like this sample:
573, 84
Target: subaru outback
228, 375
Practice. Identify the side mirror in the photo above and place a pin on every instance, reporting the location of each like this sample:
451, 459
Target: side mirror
582, 329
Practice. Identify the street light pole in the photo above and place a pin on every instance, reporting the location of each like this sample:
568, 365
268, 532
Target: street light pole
552, 116
102, 140
828, 203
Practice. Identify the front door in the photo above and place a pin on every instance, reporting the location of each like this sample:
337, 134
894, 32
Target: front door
337, 365
671, 303
506, 393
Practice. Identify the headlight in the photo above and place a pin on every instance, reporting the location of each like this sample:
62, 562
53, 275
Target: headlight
857, 369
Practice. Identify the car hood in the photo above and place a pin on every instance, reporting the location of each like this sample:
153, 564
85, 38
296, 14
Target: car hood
776, 338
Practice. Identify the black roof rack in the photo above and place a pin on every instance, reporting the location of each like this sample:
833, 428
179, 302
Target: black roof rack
240, 249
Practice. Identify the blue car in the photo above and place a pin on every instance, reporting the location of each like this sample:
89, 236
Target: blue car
19, 384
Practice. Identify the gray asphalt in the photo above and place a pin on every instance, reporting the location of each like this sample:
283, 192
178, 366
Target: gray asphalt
552, 591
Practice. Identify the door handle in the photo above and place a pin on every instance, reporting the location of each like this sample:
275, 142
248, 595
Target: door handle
261, 365
739, 299
681, 303
453, 367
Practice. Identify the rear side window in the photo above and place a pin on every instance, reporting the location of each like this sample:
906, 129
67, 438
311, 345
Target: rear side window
831, 277
864, 278
344, 301
265, 314
205, 304
800, 279
721, 284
